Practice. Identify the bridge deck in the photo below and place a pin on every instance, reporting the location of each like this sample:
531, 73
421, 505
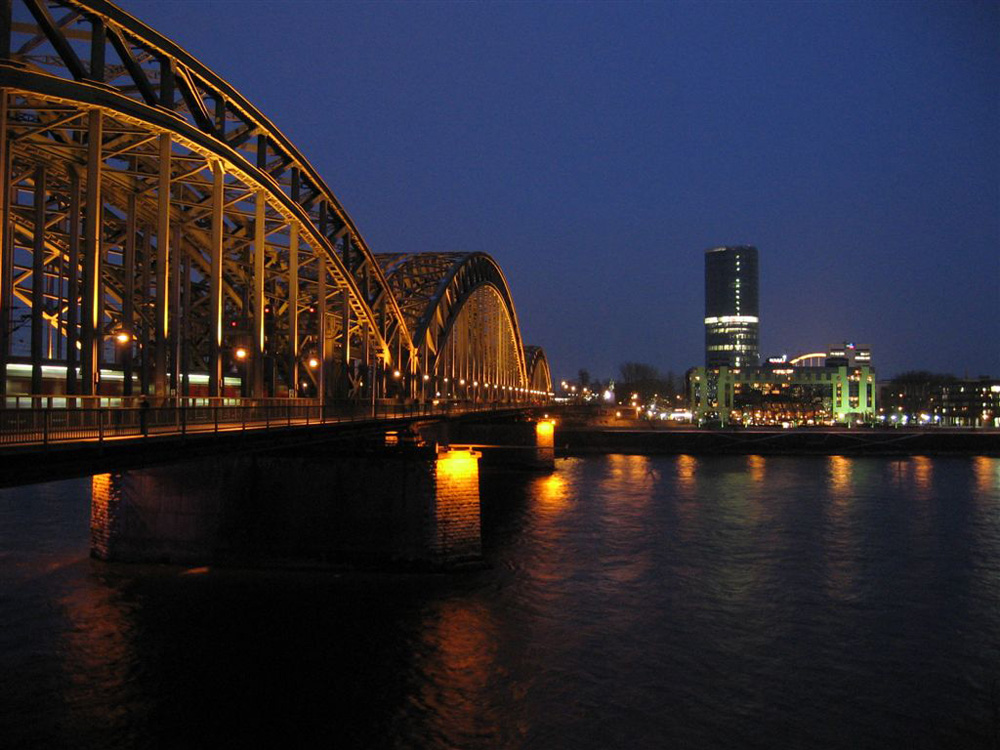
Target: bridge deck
113, 439
42, 427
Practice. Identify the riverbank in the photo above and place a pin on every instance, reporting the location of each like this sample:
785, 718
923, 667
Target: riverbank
577, 440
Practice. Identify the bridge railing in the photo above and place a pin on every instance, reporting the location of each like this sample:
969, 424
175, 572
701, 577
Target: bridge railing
87, 419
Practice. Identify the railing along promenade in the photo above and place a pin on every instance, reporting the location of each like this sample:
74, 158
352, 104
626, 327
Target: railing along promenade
50, 420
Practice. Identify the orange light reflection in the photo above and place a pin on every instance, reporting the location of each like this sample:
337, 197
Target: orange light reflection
923, 471
987, 475
840, 555
552, 494
839, 471
459, 661
686, 468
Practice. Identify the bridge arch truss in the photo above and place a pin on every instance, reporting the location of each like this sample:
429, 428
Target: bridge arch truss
159, 230
459, 308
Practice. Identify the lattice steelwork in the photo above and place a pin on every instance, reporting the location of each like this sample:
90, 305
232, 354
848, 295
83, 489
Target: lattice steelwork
462, 317
161, 232
537, 364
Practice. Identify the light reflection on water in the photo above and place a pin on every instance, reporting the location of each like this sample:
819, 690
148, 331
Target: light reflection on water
631, 602
755, 467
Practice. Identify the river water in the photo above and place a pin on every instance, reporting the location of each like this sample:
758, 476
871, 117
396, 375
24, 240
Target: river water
628, 602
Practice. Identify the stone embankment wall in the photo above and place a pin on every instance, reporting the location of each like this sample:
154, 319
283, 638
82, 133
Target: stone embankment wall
804, 441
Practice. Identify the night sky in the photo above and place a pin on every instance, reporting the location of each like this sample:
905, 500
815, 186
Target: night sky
597, 149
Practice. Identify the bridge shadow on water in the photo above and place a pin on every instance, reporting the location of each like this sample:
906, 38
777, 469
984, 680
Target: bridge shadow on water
134, 655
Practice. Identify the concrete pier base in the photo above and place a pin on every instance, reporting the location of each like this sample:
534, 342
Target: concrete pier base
528, 444
411, 506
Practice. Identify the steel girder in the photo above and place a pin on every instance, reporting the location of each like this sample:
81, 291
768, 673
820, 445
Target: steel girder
537, 364
144, 198
462, 317
178, 155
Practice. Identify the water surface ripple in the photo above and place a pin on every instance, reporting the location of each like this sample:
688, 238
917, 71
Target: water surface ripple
630, 602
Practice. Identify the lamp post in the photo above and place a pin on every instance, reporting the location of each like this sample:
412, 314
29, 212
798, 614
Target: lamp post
241, 354
123, 339
313, 363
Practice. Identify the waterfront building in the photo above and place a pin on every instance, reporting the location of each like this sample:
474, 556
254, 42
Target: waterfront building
783, 393
732, 312
971, 403
848, 353
904, 398
922, 398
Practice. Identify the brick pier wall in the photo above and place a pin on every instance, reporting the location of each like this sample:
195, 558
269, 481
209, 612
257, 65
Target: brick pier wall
456, 532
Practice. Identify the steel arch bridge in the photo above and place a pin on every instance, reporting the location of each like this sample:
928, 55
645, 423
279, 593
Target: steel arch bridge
160, 235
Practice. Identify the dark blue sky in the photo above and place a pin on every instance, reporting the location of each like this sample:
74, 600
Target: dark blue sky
597, 149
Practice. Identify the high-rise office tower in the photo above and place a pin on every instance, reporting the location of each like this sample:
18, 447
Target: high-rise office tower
732, 325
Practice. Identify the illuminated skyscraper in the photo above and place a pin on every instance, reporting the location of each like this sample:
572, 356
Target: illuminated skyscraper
732, 325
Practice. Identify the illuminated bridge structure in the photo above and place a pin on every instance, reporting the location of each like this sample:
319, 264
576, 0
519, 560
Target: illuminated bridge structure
162, 238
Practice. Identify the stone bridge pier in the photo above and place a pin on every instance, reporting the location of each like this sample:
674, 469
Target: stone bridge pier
525, 444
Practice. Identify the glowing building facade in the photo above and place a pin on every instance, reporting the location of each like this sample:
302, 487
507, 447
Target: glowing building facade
783, 394
732, 322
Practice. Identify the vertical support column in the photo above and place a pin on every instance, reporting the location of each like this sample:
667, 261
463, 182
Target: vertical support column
498, 371
6, 247
455, 531
345, 317
374, 379
174, 306
73, 286
451, 372
162, 268
92, 302
145, 341
57, 290
545, 452
128, 294
102, 296
464, 346
38, 282
371, 378
215, 283
502, 358
322, 349
293, 310
293, 292
259, 250
383, 381
184, 327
